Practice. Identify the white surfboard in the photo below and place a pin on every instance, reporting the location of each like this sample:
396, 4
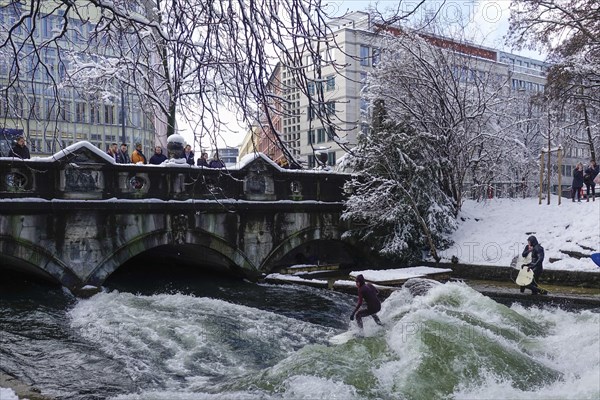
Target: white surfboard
525, 277
343, 337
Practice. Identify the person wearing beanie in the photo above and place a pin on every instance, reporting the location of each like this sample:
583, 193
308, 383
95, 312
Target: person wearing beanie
367, 292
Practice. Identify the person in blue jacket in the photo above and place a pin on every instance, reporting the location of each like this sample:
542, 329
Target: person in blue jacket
367, 292
536, 265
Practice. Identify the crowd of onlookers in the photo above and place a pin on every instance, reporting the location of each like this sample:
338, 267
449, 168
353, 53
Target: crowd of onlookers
588, 177
121, 155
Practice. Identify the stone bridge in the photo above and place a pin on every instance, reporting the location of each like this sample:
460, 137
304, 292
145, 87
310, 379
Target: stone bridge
76, 217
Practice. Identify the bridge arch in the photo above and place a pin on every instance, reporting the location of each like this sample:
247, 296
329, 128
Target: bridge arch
33, 258
193, 237
299, 239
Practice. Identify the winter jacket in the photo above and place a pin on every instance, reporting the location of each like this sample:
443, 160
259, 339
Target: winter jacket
589, 174
138, 156
537, 255
216, 164
20, 152
158, 159
577, 179
202, 162
123, 158
189, 157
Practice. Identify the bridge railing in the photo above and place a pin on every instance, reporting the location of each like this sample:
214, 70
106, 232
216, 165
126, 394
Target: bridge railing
84, 172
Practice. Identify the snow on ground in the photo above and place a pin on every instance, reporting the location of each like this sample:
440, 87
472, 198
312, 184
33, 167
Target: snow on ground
495, 231
8, 394
398, 274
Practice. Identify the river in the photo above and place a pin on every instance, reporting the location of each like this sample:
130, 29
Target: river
210, 337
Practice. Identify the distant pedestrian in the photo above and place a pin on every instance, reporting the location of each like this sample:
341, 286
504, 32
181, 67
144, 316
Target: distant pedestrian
123, 155
536, 265
590, 173
158, 157
577, 184
216, 162
20, 149
203, 160
188, 154
366, 292
112, 151
138, 157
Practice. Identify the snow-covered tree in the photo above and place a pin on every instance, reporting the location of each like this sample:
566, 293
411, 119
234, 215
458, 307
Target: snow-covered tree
395, 201
569, 30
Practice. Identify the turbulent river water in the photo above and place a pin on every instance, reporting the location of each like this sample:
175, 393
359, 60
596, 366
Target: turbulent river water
231, 339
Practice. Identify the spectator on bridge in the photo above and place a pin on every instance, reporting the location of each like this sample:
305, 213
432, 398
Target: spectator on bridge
216, 162
367, 292
138, 157
113, 150
20, 149
123, 155
590, 173
203, 160
577, 184
188, 154
158, 157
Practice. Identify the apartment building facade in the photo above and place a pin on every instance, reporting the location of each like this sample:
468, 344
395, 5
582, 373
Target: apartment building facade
35, 99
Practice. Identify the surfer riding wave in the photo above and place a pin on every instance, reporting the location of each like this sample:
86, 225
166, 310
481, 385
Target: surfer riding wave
367, 292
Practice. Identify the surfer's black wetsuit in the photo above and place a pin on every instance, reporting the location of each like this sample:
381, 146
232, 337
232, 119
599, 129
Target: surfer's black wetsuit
367, 292
536, 265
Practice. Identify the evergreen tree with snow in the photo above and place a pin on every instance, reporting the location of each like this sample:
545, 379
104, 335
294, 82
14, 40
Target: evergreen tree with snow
396, 202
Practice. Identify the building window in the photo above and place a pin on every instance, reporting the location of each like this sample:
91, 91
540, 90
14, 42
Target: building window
311, 136
311, 88
376, 56
331, 159
94, 114
310, 113
65, 111
330, 83
79, 112
109, 115
330, 107
364, 56
320, 135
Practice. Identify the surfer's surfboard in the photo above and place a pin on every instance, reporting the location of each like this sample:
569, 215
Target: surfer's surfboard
524, 278
343, 337
596, 258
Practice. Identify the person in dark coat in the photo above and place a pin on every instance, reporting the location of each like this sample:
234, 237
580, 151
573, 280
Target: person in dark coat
367, 292
123, 155
203, 160
20, 149
536, 265
216, 162
188, 154
589, 174
577, 182
158, 157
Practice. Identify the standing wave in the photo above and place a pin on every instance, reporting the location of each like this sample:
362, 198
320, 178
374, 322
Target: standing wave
450, 342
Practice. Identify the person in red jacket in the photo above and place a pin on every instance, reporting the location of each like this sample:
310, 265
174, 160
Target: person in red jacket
367, 292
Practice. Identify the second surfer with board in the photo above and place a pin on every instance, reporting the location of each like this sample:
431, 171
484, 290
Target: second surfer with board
536, 265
